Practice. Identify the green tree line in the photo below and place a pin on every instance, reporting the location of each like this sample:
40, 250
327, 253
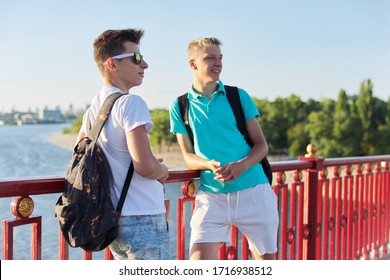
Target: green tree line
352, 125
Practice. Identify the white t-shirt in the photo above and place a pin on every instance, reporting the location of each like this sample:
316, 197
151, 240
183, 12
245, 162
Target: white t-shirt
145, 196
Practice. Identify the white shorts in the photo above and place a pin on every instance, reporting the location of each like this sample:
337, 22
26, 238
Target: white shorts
253, 211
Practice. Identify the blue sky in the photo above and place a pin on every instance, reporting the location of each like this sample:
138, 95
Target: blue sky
271, 49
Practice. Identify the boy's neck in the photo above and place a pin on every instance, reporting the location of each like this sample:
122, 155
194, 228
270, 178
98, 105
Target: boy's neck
205, 89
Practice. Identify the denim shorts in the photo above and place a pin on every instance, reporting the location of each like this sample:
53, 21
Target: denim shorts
144, 237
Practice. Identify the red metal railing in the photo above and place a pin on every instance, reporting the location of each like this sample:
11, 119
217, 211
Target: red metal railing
342, 215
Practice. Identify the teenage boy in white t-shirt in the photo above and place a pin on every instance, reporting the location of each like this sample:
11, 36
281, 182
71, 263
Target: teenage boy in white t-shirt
143, 230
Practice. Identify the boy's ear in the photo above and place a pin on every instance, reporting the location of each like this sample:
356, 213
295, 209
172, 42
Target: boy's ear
192, 64
110, 64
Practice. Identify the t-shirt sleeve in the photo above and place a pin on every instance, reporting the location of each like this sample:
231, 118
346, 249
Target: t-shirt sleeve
135, 113
85, 119
176, 122
248, 105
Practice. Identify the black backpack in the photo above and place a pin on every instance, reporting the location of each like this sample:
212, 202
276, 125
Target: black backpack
85, 212
235, 104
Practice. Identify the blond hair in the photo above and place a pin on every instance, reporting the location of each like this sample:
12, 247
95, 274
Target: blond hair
195, 45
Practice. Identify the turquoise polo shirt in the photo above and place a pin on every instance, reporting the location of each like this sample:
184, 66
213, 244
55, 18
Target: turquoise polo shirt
217, 137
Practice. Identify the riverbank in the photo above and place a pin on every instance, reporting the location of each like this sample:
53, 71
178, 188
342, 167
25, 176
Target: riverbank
172, 158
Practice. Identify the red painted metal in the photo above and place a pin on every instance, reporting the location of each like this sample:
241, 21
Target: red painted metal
63, 247
331, 202
36, 236
10, 187
363, 214
107, 254
180, 229
354, 219
181, 225
299, 235
312, 204
328, 197
294, 231
385, 208
343, 215
245, 253
338, 198
348, 184
386, 201
232, 250
282, 194
30, 186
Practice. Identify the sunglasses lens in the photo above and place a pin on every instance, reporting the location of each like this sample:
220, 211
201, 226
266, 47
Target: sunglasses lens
137, 58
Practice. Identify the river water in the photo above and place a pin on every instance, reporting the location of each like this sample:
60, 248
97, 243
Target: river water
26, 152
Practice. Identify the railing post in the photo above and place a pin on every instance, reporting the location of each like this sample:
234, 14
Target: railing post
22, 207
311, 213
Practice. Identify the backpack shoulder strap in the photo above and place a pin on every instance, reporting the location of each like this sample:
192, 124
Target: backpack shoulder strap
94, 133
183, 108
126, 186
102, 116
235, 103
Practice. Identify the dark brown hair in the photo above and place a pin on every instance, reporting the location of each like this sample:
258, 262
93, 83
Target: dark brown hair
111, 43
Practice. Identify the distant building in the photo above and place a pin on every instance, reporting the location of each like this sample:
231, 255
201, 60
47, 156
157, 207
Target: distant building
51, 115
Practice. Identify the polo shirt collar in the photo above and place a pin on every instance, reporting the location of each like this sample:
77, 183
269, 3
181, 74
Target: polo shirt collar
192, 94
